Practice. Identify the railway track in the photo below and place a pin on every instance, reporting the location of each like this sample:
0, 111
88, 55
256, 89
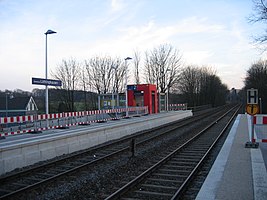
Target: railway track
170, 177
26, 180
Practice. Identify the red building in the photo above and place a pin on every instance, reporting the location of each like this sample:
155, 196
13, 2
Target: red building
143, 95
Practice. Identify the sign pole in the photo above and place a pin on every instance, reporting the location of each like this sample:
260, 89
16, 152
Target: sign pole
252, 128
252, 143
252, 109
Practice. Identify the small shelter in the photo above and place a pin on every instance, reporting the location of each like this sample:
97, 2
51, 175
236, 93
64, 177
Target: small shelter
143, 95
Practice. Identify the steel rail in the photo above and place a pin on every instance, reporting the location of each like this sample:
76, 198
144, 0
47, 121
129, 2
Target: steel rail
182, 188
133, 183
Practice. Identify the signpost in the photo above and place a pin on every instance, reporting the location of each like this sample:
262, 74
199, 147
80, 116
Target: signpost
46, 82
252, 108
41, 81
252, 96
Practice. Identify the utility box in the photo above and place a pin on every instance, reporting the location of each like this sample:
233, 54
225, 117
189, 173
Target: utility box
143, 95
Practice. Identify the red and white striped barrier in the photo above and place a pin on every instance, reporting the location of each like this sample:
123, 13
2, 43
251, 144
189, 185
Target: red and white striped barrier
20, 119
259, 120
181, 106
34, 118
5, 120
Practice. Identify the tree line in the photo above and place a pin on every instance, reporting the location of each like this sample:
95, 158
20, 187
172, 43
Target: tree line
195, 85
162, 66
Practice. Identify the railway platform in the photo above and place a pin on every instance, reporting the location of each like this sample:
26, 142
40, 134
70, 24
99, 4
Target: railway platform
21, 150
238, 172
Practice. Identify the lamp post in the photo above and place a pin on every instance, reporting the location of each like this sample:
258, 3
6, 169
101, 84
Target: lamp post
168, 70
46, 86
6, 105
126, 95
113, 90
166, 96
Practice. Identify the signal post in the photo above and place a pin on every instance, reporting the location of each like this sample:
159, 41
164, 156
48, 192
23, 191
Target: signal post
252, 108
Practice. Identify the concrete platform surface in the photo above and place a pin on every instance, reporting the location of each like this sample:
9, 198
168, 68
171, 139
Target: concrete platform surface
22, 150
238, 173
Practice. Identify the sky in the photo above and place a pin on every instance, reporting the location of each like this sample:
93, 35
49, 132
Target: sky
213, 33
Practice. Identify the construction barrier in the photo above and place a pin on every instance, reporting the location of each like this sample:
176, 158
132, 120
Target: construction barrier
182, 106
260, 128
37, 123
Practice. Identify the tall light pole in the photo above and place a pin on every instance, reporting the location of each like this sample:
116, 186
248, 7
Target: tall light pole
6, 104
46, 86
126, 95
168, 70
113, 90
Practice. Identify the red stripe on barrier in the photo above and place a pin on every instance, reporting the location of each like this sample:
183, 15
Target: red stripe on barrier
260, 119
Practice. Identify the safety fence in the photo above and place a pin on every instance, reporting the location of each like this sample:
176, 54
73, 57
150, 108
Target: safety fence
260, 128
182, 106
38, 123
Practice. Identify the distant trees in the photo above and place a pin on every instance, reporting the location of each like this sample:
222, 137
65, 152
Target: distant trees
201, 86
256, 78
161, 66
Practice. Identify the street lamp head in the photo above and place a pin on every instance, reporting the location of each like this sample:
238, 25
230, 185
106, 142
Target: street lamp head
50, 32
128, 58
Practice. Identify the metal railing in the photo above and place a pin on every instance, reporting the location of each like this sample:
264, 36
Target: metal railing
180, 106
37, 123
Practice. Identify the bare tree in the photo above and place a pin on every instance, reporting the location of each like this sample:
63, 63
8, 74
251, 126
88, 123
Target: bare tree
259, 15
105, 73
119, 75
84, 84
136, 61
69, 73
189, 84
162, 66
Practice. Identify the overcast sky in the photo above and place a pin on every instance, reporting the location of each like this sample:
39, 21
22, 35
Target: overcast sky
207, 32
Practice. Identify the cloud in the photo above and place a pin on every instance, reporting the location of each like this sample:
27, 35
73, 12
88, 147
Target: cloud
147, 35
116, 5
197, 57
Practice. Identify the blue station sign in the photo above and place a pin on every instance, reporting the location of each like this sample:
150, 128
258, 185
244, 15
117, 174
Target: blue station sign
41, 81
131, 87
